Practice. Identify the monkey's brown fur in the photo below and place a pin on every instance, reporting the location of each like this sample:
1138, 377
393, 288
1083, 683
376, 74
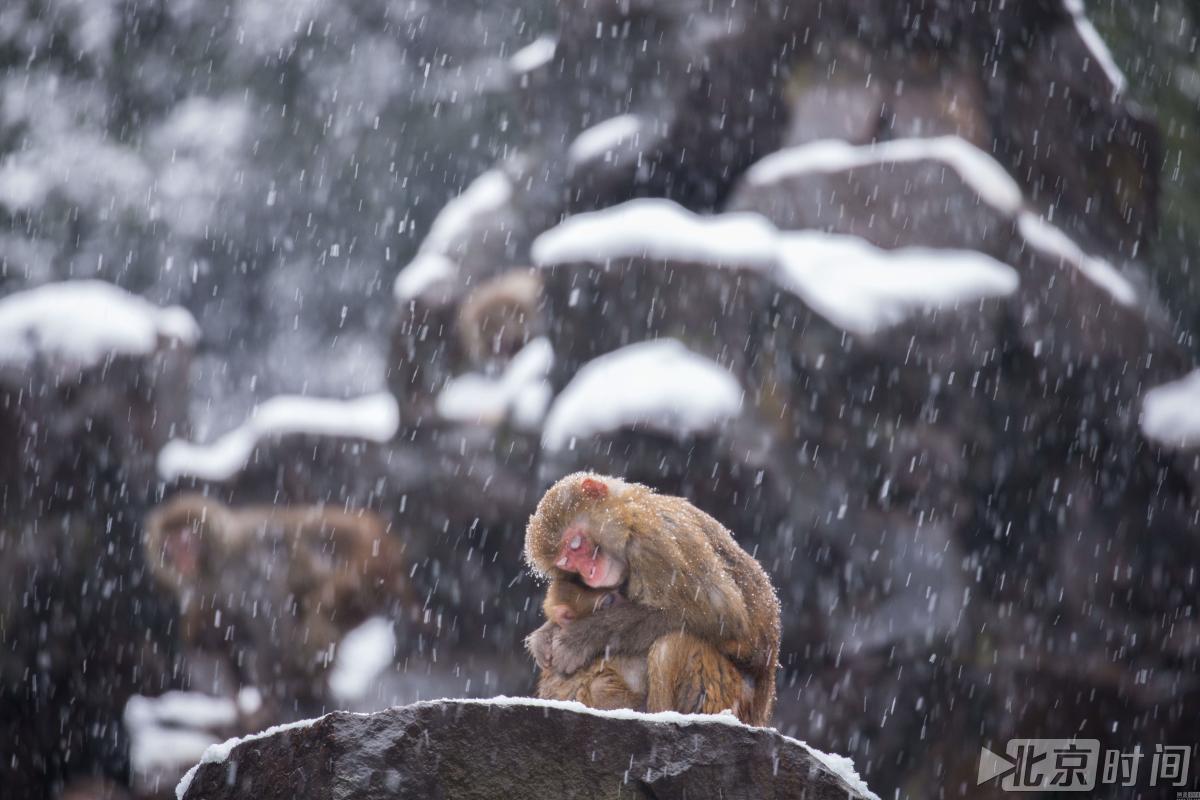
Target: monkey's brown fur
500, 317
274, 589
701, 609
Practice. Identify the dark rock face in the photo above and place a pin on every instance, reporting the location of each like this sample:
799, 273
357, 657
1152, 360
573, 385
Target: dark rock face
470, 749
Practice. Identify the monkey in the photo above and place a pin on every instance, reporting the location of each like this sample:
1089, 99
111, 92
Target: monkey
700, 608
273, 590
617, 682
500, 317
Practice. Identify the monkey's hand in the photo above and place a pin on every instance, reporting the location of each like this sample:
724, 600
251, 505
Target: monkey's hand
627, 629
539, 645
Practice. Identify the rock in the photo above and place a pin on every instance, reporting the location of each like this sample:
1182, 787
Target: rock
93, 381
518, 748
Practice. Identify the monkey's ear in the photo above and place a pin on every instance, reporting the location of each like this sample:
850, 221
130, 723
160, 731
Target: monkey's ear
595, 489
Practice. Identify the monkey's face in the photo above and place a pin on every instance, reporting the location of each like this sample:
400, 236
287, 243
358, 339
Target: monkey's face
581, 531
579, 552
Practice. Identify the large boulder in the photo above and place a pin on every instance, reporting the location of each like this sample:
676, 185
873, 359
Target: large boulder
518, 748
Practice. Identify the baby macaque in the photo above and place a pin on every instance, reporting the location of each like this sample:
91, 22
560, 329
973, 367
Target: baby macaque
698, 608
617, 682
272, 590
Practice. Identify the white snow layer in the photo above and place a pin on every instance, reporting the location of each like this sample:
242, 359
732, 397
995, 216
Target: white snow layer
522, 393
1171, 412
863, 289
657, 384
976, 168
362, 655
86, 322
1091, 38
533, 55
169, 730
1050, 239
855, 285
658, 229
487, 194
605, 137
421, 273
375, 417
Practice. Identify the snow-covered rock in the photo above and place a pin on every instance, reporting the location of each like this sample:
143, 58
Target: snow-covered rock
374, 418
657, 385
521, 393
518, 747
80, 324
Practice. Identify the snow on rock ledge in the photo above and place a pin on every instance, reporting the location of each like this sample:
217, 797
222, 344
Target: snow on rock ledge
519, 748
855, 285
863, 289
83, 323
374, 417
659, 229
660, 385
1171, 412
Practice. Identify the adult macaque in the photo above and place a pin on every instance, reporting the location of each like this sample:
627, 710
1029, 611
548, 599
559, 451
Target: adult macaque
273, 590
698, 607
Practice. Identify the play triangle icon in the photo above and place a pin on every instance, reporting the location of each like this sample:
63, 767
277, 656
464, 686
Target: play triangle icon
991, 765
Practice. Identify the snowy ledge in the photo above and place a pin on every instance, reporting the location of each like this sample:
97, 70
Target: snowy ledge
976, 168
374, 417
1095, 45
86, 322
486, 195
659, 229
603, 138
641, 385
842, 767
1171, 413
855, 285
521, 393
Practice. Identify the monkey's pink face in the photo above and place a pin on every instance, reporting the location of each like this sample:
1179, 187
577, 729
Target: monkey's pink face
578, 552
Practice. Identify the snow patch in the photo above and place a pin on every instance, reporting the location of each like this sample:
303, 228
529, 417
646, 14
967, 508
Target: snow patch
375, 417
522, 392
362, 655
1171, 412
168, 731
422, 272
534, 55
85, 322
602, 139
976, 168
862, 289
1050, 239
658, 384
486, 195
659, 229
1095, 44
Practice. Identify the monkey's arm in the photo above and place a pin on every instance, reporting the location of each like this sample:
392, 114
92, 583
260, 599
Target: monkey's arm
627, 629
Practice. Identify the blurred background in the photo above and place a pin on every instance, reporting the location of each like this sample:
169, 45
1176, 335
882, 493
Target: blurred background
900, 293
